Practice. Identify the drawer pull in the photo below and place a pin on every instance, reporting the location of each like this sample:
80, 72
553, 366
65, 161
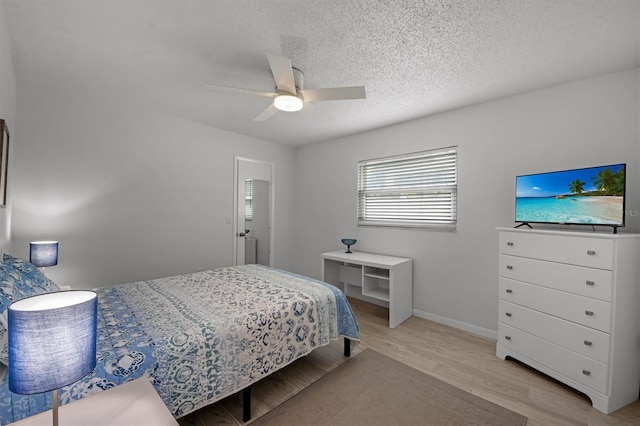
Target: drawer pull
591, 252
591, 283
509, 267
507, 337
509, 291
589, 313
508, 314
509, 243
586, 372
588, 343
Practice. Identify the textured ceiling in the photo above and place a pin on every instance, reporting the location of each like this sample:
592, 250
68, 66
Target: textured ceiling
415, 57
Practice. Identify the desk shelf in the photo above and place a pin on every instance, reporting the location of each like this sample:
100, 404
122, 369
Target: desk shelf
375, 283
384, 280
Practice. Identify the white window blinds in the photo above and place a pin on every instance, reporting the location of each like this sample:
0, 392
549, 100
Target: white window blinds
412, 190
248, 199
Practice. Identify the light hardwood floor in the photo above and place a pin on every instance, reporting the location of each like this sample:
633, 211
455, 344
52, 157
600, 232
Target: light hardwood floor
462, 359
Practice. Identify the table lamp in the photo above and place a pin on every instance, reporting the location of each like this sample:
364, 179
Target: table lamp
52, 342
43, 253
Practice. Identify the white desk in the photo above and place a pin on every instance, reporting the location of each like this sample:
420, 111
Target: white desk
129, 404
383, 280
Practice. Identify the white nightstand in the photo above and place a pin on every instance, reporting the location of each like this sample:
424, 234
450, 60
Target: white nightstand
132, 403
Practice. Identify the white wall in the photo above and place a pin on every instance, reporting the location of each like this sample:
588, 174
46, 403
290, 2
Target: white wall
7, 113
130, 194
586, 123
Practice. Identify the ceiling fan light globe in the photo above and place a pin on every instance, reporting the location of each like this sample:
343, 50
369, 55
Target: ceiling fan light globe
288, 103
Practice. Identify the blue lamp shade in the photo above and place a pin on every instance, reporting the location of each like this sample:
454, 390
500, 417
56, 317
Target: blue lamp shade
43, 253
52, 340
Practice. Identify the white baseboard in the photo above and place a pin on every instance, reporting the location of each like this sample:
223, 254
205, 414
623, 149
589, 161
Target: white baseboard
480, 331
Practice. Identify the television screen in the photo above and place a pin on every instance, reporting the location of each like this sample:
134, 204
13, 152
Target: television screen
589, 196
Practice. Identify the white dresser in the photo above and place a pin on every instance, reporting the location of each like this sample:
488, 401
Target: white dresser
568, 307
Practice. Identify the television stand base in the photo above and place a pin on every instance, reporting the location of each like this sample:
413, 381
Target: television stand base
524, 224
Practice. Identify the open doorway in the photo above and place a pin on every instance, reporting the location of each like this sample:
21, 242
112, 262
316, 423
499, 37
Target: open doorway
253, 212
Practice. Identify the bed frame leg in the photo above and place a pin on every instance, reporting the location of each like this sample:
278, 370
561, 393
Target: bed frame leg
246, 404
347, 347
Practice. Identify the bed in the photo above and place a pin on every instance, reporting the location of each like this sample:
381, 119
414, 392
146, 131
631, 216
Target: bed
198, 337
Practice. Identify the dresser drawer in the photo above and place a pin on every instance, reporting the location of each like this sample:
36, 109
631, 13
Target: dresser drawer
590, 282
582, 251
582, 310
583, 340
577, 367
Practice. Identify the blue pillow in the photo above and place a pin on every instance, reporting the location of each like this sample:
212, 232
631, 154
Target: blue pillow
31, 272
16, 285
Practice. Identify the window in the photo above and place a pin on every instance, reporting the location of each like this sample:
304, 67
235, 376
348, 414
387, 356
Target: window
248, 199
412, 190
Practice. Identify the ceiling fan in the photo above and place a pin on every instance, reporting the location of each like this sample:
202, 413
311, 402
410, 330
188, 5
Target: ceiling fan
290, 94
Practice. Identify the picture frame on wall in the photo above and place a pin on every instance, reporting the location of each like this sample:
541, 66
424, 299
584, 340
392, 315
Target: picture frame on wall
4, 162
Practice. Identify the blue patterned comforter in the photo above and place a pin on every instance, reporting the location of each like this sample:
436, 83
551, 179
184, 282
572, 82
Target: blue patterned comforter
201, 337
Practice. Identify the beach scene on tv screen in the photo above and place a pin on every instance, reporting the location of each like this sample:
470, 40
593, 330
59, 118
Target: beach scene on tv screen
584, 196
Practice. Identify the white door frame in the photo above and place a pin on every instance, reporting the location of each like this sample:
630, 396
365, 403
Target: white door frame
237, 213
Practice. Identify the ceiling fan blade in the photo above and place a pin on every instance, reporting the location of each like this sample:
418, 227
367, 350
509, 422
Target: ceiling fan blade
241, 91
266, 114
333, 94
282, 72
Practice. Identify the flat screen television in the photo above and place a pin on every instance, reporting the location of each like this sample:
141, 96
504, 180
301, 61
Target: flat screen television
587, 196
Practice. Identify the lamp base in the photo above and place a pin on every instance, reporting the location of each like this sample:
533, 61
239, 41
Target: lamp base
54, 396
